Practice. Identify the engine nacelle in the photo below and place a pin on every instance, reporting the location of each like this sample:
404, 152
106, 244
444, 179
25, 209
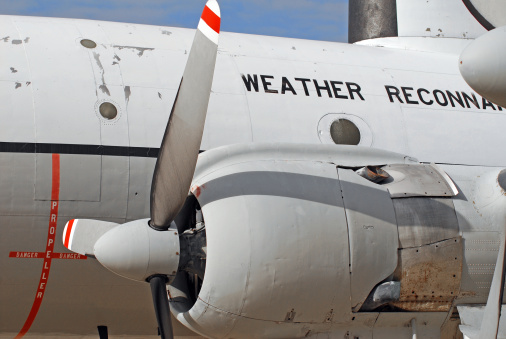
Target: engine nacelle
483, 65
299, 241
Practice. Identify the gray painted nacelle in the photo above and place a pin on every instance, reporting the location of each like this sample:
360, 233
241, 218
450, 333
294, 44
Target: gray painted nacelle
298, 241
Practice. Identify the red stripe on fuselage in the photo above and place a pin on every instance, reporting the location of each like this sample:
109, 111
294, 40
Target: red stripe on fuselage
211, 19
51, 233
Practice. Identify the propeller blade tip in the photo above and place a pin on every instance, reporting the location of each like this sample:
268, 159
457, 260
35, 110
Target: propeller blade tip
214, 6
68, 233
210, 21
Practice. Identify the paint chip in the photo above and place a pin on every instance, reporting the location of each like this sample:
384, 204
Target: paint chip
140, 50
104, 89
127, 93
17, 42
18, 84
13, 70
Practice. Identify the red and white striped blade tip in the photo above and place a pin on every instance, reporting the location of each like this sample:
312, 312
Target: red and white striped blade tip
210, 20
68, 233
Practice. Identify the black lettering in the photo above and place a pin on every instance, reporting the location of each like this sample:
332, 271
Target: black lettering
420, 90
441, 103
286, 85
337, 90
473, 100
326, 87
250, 82
457, 98
393, 91
499, 107
486, 103
304, 84
408, 95
266, 84
351, 90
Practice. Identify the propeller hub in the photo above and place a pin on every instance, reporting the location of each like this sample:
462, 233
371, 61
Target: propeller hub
138, 252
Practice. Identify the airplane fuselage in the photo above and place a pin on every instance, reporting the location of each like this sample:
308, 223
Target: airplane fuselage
265, 89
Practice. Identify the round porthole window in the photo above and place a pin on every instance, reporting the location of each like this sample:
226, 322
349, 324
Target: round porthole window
88, 43
344, 132
108, 110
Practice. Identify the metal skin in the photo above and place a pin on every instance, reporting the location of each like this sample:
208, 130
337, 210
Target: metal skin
371, 19
264, 239
483, 65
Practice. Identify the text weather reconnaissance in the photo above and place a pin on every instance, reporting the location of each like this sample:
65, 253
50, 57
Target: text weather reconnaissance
351, 90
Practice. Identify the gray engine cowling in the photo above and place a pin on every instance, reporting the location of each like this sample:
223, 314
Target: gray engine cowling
299, 241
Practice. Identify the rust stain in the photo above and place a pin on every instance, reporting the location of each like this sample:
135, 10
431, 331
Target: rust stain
430, 276
196, 191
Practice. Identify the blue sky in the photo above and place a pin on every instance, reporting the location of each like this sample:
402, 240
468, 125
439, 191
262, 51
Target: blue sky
306, 19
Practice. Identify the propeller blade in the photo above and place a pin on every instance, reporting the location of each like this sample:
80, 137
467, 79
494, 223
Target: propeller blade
181, 142
161, 303
492, 313
80, 235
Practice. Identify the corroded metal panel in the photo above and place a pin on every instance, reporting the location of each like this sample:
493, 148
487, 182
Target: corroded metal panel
423, 221
419, 180
430, 276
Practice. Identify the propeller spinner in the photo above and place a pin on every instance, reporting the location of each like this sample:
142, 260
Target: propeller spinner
148, 250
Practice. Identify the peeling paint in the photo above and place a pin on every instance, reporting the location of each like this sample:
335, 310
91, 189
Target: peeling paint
17, 42
117, 57
166, 32
18, 84
97, 59
28, 83
115, 63
140, 50
159, 95
428, 29
104, 89
13, 70
27, 39
127, 93
6, 39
